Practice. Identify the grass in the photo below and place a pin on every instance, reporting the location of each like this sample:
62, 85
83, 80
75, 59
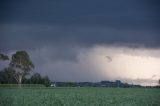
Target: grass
23, 85
79, 97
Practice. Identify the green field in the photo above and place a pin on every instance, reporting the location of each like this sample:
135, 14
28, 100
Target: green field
79, 97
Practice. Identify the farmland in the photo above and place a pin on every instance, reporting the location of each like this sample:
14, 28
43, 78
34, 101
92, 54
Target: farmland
79, 96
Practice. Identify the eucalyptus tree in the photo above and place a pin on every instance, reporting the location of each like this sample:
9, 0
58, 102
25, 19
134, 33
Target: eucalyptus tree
22, 65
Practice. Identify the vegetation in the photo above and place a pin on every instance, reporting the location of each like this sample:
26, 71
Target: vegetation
38, 79
23, 85
20, 65
80, 97
3, 57
7, 77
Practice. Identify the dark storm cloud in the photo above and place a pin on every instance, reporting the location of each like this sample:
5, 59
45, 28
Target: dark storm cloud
121, 14
31, 37
87, 22
55, 32
50, 53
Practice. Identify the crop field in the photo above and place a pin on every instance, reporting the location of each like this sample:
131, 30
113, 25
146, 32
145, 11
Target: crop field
79, 96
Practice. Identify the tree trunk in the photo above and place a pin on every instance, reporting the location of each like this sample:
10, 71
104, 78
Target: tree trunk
20, 80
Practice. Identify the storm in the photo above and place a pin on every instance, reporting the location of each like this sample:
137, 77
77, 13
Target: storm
86, 40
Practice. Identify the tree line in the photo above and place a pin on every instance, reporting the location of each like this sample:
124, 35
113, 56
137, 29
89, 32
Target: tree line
19, 70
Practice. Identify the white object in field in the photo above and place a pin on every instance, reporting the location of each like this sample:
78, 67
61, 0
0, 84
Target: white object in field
53, 85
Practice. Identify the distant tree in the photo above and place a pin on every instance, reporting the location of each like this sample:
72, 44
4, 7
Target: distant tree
36, 79
26, 80
46, 81
71, 84
21, 63
7, 76
159, 82
3, 57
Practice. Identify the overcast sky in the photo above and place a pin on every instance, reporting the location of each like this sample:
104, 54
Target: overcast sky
85, 40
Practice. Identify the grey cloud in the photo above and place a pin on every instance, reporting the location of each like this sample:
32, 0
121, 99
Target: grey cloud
55, 32
31, 37
3, 64
85, 23
52, 53
63, 69
132, 14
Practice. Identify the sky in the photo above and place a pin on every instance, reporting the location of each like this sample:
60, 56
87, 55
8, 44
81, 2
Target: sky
85, 40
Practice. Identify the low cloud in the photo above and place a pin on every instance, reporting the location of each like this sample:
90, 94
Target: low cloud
71, 63
91, 64
144, 82
19, 36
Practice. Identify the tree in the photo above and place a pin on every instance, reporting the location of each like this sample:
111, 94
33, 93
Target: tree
46, 81
6, 76
21, 63
159, 81
3, 57
36, 78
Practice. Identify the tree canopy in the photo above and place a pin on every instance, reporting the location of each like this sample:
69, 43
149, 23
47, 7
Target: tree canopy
20, 65
3, 57
22, 61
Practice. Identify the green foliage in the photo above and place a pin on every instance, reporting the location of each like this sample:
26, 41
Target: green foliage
3, 57
22, 65
68, 84
7, 76
23, 85
21, 60
80, 97
46, 81
38, 79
